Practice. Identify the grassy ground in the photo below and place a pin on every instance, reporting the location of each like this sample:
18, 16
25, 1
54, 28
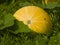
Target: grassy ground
27, 38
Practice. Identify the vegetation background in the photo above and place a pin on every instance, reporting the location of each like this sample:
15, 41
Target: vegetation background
13, 32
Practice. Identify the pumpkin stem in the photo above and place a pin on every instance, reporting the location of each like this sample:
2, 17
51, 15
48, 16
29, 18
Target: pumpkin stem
29, 22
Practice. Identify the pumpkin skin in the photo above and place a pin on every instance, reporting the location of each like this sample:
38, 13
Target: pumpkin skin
35, 18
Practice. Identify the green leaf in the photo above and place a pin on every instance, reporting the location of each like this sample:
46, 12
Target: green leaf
55, 39
19, 27
6, 21
52, 5
9, 21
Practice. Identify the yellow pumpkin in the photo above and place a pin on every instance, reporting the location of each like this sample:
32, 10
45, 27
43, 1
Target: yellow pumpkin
35, 18
48, 1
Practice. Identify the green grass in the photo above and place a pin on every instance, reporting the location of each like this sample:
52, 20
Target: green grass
8, 24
